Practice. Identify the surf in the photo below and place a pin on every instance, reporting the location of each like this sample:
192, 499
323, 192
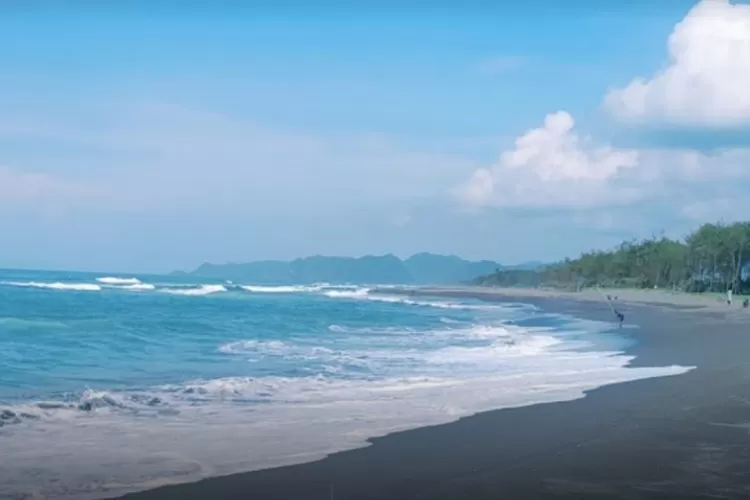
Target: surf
329, 366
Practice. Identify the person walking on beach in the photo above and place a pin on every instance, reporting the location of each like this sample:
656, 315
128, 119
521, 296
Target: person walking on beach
609, 298
619, 315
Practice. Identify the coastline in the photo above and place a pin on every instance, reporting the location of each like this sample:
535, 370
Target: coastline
681, 436
655, 297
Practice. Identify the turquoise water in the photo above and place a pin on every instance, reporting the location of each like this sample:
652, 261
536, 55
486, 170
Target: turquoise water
116, 383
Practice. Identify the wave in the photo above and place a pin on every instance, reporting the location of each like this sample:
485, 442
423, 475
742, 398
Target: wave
315, 287
314, 389
279, 348
86, 402
354, 382
367, 294
357, 293
138, 287
561, 376
88, 287
110, 280
244, 346
282, 288
133, 284
478, 348
20, 323
289, 419
367, 330
450, 321
195, 291
123, 284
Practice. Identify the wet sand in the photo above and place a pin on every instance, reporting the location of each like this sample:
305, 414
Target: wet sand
657, 297
685, 436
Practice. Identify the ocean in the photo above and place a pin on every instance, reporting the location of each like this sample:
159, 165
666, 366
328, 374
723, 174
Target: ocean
112, 383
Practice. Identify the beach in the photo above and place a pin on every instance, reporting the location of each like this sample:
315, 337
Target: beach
684, 436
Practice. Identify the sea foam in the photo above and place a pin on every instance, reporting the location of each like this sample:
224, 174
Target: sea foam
282, 288
111, 280
86, 287
264, 381
195, 290
366, 293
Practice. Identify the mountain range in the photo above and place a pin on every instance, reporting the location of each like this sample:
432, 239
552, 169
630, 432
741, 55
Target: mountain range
421, 268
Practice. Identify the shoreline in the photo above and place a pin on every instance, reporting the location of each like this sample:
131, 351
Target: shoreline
654, 421
655, 297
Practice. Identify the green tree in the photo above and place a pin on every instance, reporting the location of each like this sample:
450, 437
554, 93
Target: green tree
711, 258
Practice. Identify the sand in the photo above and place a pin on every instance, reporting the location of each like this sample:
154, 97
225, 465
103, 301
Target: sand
656, 297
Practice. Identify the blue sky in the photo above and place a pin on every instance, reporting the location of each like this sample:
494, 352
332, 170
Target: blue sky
149, 137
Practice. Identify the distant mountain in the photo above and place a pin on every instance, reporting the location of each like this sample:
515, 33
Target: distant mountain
419, 269
428, 268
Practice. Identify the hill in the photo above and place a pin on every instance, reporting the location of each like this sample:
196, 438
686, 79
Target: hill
419, 269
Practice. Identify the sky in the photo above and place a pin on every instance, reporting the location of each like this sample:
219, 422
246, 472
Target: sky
153, 136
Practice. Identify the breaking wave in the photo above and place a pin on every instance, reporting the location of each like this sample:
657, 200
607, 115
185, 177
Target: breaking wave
110, 283
379, 296
282, 288
110, 280
138, 286
195, 290
357, 293
86, 287
291, 380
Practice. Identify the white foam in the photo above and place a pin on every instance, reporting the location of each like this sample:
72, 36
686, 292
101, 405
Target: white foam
245, 346
366, 294
357, 293
449, 321
195, 291
281, 349
111, 280
138, 287
335, 290
368, 330
474, 350
116, 442
88, 287
282, 288
213, 426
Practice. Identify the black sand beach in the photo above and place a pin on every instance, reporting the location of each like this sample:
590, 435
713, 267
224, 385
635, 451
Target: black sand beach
685, 436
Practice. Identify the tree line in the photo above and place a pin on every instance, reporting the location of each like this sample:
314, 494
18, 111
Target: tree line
713, 258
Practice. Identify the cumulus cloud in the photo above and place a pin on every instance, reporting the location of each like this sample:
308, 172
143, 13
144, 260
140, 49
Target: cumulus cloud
707, 79
705, 84
552, 166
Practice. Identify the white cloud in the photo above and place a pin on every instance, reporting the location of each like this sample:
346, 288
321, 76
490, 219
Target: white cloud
552, 166
171, 158
707, 80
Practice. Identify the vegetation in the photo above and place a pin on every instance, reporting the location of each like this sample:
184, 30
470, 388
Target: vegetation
711, 259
